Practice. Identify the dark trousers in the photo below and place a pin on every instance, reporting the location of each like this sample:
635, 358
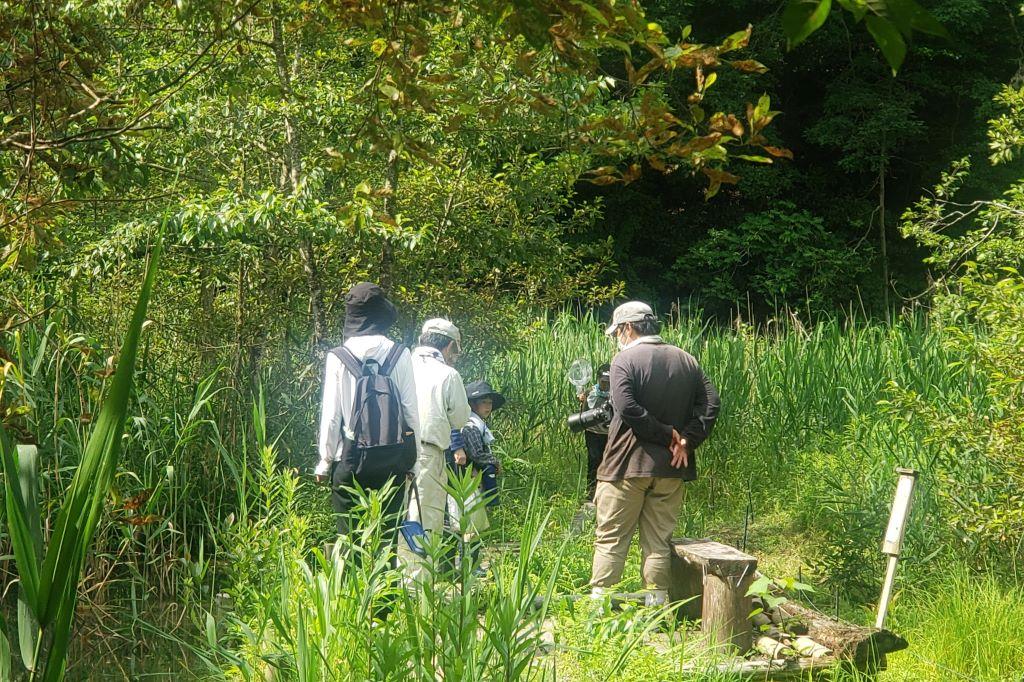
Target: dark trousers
488, 476
595, 454
489, 483
344, 503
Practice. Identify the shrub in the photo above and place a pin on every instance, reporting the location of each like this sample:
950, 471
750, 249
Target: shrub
782, 256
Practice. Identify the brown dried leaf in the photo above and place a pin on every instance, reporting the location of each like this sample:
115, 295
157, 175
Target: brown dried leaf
648, 68
726, 124
719, 175
695, 145
135, 503
146, 520
748, 66
779, 152
657, 164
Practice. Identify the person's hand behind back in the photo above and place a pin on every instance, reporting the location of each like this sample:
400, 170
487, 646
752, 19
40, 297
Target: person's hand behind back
680, 453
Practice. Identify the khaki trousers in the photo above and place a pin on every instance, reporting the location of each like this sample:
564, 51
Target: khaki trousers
426, 505
430, 478
651, 503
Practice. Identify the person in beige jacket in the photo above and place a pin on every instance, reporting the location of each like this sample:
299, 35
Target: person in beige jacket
443, 407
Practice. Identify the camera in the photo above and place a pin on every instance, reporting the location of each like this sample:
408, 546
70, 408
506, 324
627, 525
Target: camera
598, 416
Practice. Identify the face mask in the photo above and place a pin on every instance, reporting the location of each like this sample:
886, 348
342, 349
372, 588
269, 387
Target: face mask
618, 340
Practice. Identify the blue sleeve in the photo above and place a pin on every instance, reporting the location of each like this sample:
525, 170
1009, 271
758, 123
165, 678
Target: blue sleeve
457, 441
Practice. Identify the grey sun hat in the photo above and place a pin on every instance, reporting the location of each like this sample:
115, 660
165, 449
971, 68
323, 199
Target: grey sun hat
477, 390
632, 311
439, 325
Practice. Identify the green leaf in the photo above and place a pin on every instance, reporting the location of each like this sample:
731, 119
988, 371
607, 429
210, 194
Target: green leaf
923, 21
801, 18
5, 652
594, 12
759, 587
889, 40
28, 631
19, 526
754, 159
211, 632
764, 106
390, 91
736, 41
28, 479
858, 8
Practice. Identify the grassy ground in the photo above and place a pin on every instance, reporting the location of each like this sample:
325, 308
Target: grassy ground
964, 627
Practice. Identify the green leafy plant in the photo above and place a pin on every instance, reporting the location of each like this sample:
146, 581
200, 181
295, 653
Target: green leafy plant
49, 582
772, 592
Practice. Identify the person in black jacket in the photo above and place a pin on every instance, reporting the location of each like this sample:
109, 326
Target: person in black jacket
664, 408
596, 437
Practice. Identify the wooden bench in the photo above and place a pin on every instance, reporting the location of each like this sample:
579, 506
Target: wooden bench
715, 579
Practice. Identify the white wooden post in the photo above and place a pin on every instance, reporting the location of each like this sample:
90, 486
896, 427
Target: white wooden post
893, 541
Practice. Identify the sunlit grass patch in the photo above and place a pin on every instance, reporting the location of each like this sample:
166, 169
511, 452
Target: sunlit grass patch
964, 627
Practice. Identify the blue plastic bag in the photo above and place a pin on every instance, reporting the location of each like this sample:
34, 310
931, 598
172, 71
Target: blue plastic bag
413, 531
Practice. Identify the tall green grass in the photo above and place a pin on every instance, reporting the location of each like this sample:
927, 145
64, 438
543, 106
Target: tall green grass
310, 615
965, 626
805, 429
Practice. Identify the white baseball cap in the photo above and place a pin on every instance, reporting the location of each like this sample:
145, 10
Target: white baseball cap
439, 325
632, 311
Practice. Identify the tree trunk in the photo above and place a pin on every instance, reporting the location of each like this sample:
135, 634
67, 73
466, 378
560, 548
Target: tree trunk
308, 255
881, 235
240, 343
293, 176
207, 297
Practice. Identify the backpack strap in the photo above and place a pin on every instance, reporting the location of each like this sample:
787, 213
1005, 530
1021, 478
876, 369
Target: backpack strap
392, 359
349, 360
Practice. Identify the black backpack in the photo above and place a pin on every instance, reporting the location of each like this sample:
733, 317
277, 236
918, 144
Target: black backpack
379, 449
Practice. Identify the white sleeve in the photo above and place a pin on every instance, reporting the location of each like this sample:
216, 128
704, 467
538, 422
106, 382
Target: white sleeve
330, 414
457, 402
406, 383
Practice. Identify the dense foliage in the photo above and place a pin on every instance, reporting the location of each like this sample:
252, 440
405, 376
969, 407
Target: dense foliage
865, 144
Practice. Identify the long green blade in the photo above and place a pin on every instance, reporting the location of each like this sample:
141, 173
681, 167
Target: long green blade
19, 525
56, 659
5, 652
28, 624
80, 513
28, 631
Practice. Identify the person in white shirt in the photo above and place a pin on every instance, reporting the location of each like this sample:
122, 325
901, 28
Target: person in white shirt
443, 407
368, 317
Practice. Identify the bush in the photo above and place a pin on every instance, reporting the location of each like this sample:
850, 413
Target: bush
783, 256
